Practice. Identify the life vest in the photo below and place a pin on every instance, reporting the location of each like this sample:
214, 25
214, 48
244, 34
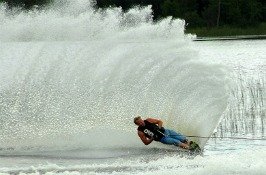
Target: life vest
152, 131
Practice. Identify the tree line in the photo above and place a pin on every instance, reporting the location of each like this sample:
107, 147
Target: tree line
197, 13
202, 13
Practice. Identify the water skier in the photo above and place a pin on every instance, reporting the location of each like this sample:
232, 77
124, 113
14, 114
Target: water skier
152, 129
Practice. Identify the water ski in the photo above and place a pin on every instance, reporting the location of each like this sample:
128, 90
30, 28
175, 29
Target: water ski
194, 148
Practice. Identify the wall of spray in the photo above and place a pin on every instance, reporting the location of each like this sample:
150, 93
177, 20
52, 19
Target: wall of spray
72, 75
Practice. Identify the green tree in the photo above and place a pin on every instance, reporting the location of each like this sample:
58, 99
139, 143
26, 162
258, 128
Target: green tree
231, 13
251, 11
210, 14
194, 20
171, 8
263, 10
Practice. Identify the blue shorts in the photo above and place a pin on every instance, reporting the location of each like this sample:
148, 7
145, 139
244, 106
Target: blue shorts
173, 138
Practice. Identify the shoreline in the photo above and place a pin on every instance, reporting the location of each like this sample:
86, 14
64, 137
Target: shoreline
226, 38
229, 32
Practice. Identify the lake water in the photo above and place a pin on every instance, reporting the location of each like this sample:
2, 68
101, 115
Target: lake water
70, 87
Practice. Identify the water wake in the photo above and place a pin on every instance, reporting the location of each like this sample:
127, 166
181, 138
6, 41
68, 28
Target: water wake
73, 76
237, 163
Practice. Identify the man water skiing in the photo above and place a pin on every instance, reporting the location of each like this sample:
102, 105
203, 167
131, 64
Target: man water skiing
152, 129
